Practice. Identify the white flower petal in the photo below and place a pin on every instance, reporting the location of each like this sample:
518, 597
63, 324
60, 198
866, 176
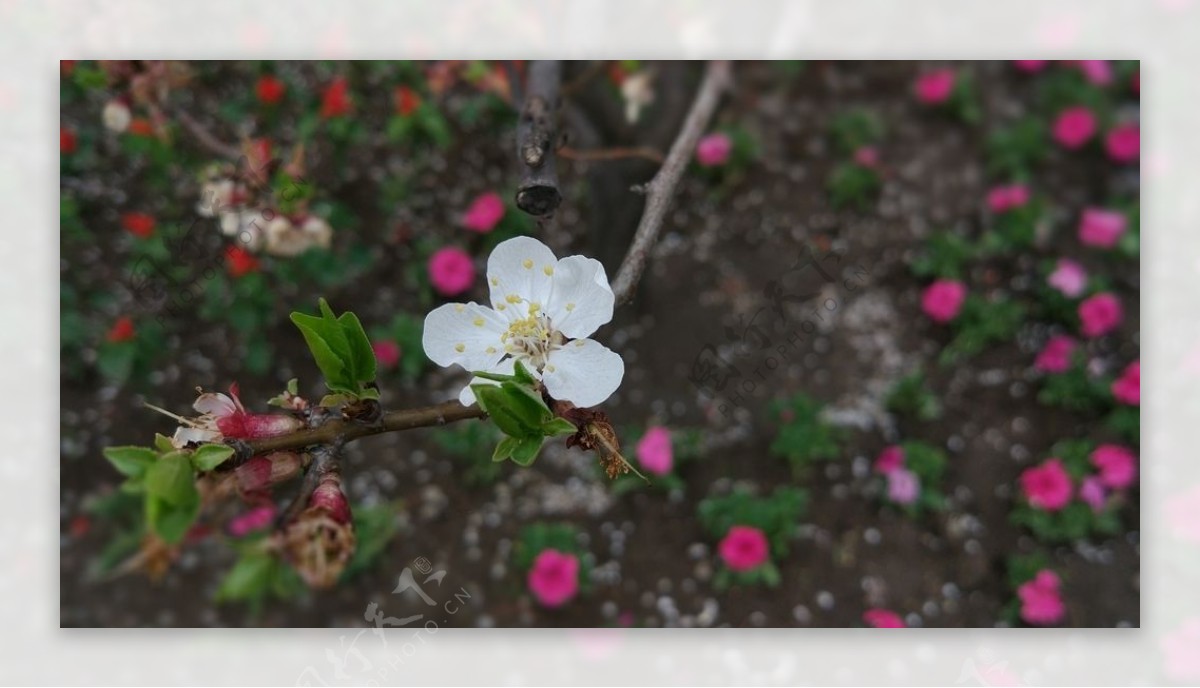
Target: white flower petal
519, 274
184, 435
216, 404
581, 300
506, 367
466, 334
583, 372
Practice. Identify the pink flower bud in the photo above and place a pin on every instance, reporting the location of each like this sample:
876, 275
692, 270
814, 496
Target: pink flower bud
261, 472
320, 542
257, 425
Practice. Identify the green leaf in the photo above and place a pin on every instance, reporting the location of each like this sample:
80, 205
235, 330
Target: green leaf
559, 426
511, 413
163, 443
528, 401
131, 462
333, 366
522, 374
172, 521
527, 450
505, 448
247, 580
208, 456
171, 479
362, 356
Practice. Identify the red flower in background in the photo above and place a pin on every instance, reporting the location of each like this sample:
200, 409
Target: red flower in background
239, 261
335, 101
270, 90
138, 224
122, 330
67, 141
407, 101
140, 126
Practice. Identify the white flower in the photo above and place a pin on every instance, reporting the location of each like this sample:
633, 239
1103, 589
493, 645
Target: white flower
116, 116
638, 92
543, 310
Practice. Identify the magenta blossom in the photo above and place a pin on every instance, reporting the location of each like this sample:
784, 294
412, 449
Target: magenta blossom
253, 520
882, 618
1100, 314
1092, 493
1007, 197
451, 271
903, 486
1123, 143
890, 459
743, 548
554, 578
1098, 72
1047, 486
387, 352
943, 300
1117, 465
714, 149
867, 156
1127, 389
485, 213
934, 88
1068, 277
1030, 66
1055, 357
1041, 603
1074, 127
1101, 228
654, 450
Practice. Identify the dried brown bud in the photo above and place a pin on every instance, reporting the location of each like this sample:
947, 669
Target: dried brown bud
320, 542
596, 433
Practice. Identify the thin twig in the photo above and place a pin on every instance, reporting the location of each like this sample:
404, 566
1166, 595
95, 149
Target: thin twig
341, 430
611, 153
537, 135
661, 189
205, 137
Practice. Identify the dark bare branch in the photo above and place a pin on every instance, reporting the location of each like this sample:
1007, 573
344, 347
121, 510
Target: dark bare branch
537, 135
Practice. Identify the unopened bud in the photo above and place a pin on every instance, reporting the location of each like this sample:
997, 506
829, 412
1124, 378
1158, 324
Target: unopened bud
261, 472
248, 426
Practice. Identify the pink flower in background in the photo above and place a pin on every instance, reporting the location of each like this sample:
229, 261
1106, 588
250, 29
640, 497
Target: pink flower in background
1074, 127
1124, 143
1006, 197
890, 459
943, 300
554, 577
743, 548
1047, 486
1100, 314
387, 352
1092, 493
934, 88
1030, 66
1098, 72
1055, 357
1181, 662
1183, 514
714, 149
882, 618
1041, 603
903, 486
485, 213
1117, 465
867, 156
1068, 277
654, 450
254, 519
451, 271
1127, 389
1101, 228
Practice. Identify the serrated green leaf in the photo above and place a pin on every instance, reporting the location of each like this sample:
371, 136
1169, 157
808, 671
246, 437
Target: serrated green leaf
171, 479
526, 450
206, 457
131, 462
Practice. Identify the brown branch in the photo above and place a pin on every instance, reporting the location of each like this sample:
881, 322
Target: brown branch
537, 135
610, 153
343, 431
205, 137
661, 189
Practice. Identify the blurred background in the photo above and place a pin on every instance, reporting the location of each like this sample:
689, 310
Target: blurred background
864, 265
